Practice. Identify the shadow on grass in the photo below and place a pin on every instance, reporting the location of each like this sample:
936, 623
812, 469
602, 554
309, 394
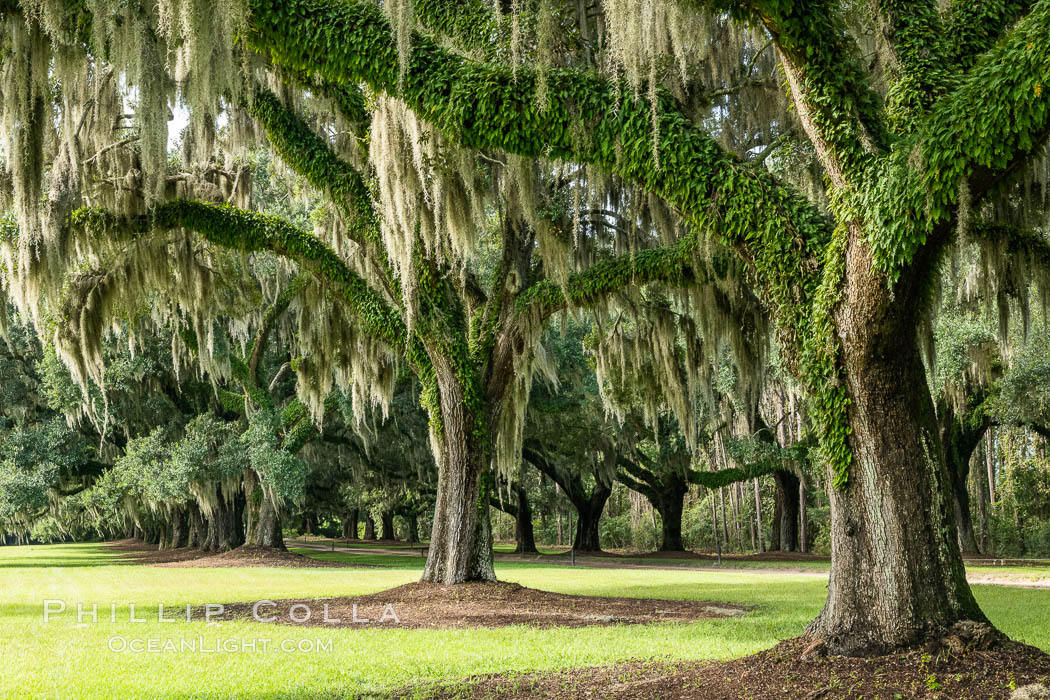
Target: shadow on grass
37, 556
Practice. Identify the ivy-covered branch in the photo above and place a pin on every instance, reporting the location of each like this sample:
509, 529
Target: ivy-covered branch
973, 137
921, 68
973, 26
313, 158
487, 106
248, 231
672, 265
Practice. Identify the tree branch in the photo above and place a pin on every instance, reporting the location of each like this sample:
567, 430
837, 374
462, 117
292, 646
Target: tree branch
247, 231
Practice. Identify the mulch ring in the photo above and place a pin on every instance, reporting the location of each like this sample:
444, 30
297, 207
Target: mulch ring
255, 556
468, 605
1011, 670
142, 553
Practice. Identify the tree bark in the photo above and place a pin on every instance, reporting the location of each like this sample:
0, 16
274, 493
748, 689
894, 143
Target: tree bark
388, 525
370, 528
265, 530
195, 527
589, 511
350, 525
523, 532
461, 537
668, 502
803, 543
179, 528
897, 576
225, 525
413, 526
788, 499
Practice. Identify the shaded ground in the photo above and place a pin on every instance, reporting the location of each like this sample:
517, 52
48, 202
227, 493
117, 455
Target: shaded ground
782, 672
429, 605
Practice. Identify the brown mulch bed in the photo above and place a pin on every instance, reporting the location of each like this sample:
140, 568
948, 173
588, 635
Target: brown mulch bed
1008, 671
142, 553
256, 556
468, 605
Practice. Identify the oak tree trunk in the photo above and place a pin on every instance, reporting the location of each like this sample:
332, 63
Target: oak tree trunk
461, 537
590, 512
670, 504
413, 527
225, 526
195, 527
266, 526
897, 576
370, 528
787, 510
523, 532
388, 525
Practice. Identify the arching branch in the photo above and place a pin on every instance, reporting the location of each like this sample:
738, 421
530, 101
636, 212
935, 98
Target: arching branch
488, 107
672, 264
247, 231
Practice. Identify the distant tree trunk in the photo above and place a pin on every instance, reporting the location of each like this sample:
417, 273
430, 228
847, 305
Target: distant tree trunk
266, 526
989, 461
981, 487
196, 528
669, 503
788, 490
774, 525
179, 528
725, 526
388, 525
960, 437
758, 516
350, 525
309, 526
803, 543
413, 526
590, 513
523, 533
225, 525
370, 527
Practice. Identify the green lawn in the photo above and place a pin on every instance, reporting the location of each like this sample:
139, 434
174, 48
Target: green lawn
63, 659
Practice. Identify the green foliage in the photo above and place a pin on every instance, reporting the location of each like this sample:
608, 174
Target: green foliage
282, 473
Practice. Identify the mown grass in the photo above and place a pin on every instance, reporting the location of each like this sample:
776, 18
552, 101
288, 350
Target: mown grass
62, 659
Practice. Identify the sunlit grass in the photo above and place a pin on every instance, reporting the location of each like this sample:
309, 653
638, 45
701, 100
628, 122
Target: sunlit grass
61, 659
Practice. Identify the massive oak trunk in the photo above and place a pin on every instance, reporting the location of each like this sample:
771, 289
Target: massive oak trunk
196, 528
461, 538
896, 573
370, 528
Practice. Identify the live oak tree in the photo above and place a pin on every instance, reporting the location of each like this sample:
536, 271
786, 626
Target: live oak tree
925, 141
425, 256
913, 148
